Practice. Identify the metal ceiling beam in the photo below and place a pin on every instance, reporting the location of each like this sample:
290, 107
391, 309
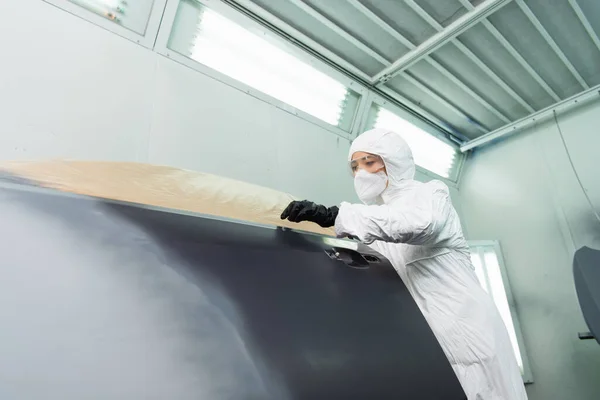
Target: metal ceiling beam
424, 14
441, 38
341, 32
499, 81
384, 25
562, 106
585, 22
418, 110
538, 25
256, 11
253, 10
467, 89
263, 16
513, 52
422, 87
465, 50
399, 37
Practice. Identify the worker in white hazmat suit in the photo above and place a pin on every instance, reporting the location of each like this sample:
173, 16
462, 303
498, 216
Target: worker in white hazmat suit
415, 226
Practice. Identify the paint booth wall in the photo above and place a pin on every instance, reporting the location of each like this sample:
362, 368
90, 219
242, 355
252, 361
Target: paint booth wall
523, 192
70, 89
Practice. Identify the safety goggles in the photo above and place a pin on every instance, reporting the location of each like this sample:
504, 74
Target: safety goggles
370, 163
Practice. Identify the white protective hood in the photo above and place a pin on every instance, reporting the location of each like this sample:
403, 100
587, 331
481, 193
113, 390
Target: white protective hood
392, 148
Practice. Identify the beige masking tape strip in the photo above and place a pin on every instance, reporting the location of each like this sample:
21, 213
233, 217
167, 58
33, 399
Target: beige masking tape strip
162, 186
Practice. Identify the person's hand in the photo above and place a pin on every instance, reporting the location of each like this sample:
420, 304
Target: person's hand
299, 211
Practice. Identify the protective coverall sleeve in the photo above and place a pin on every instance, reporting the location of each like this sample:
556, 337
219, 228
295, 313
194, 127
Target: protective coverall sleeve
428, 219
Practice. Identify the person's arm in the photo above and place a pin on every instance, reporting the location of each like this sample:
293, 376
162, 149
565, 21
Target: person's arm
429, 219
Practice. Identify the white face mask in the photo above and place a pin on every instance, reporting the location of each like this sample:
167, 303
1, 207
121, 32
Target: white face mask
369, 186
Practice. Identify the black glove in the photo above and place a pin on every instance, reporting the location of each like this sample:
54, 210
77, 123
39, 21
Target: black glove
299, 211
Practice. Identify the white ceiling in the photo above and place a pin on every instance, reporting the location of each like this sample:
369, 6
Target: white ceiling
477, 66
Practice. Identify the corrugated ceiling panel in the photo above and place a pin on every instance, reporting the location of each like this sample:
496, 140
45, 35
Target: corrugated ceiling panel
464, 69
557, 17
312, 28
444, 12
519, 31
485, 46
591, 9
354, 22
430, 104
561, 22
402, 18
434, 80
